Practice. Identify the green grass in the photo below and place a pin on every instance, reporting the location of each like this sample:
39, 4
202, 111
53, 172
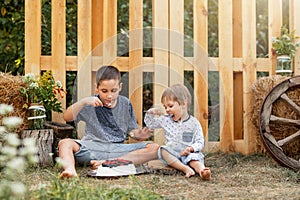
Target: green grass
234, 176
83, 188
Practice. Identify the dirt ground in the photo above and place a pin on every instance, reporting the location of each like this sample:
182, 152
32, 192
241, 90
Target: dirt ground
233, 177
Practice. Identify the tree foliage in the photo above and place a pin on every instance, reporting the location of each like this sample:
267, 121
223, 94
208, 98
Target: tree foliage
12, 36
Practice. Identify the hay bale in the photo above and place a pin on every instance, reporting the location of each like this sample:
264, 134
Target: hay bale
10, 94
259, 90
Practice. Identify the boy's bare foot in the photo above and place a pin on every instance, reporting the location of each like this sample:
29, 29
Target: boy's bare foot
189, 172
205, 174
96, 163
68, 173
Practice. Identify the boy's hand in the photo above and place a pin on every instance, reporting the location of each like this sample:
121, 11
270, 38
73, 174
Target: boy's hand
93, 101
142, 134
72, 111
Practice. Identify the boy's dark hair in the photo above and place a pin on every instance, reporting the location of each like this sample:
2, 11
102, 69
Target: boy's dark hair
107, 73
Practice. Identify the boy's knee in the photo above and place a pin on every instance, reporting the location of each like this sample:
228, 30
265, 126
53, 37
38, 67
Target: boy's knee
65, 142
153, 146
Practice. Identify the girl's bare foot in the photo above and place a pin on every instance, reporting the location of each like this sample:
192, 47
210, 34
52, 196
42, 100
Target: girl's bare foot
96, 163
68, 173
205, 174
189, 172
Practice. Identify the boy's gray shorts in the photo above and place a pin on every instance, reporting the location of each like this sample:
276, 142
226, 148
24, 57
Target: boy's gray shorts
91, 150
198, 156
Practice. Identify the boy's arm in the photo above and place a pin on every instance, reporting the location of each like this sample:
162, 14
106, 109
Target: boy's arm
71, 113
141, 134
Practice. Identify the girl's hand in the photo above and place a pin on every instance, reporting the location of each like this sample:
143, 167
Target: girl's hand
187, 151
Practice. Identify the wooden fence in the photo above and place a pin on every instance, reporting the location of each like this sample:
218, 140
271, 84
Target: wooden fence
237, 63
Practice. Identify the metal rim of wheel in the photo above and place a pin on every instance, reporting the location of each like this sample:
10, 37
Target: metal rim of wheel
276, 146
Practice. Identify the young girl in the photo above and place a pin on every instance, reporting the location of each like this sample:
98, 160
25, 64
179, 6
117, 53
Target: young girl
183, 133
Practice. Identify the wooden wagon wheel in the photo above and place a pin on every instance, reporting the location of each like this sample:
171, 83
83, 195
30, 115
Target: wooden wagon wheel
280, 123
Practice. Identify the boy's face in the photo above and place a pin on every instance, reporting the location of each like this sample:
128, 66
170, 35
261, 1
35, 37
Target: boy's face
108, 91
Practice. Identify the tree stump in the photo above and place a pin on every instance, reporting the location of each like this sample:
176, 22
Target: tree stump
44, 141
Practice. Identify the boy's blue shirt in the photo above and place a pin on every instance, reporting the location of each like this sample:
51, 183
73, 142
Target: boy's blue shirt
108, 124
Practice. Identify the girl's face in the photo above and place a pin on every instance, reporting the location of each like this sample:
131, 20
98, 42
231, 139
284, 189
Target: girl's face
175, 110
108, 91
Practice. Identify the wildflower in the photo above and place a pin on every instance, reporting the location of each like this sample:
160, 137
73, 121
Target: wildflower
42, 90
5, 109
2, 129
12, 122
16, 164
33, 159
27, 150
59, 162
9, 151
13, 158
13, 140
29, 77
58, 84
33, 85
18, 189
42, 185
285, 43
28, 142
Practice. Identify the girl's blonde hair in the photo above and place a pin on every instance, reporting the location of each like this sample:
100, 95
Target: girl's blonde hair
179, 93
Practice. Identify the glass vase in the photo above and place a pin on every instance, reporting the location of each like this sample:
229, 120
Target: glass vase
284, 66
36, 116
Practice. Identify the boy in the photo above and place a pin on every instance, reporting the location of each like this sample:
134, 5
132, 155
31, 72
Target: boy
109, 117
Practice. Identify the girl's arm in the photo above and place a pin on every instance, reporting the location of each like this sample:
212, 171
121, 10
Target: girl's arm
151, 121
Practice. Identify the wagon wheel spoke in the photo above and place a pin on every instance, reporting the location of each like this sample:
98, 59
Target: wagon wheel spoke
291, 103
289, 138
285, 121
279, 129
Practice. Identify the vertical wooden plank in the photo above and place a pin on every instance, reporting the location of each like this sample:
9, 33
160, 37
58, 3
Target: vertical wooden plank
97, 27
275, 23
32, 36
201, 64
160, 47
237, 77
109, 31
176, 41
237, 28
249, 67
135, 57
58, 58
226, 74
84, 74
160, 54
295, 25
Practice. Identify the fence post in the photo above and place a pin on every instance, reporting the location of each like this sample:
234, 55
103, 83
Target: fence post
226, 75
58, 50
32, 36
